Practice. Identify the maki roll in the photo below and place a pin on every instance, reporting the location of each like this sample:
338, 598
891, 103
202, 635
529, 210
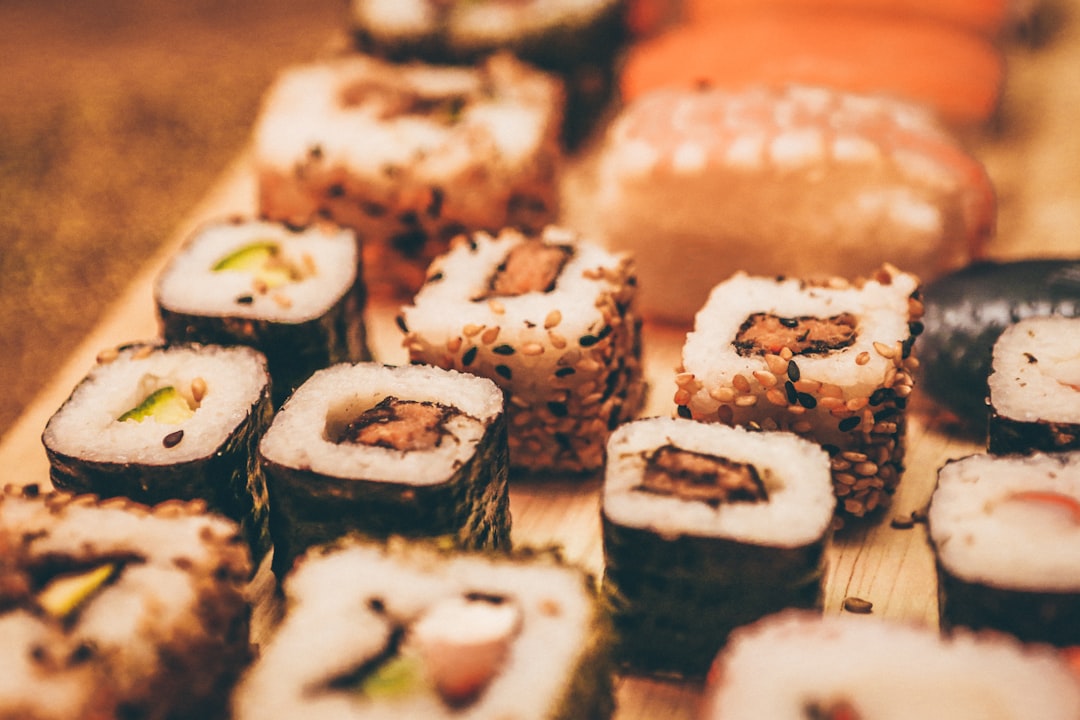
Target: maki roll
1006, 535
403, 630
706, 528
112, 609
830, 360
1034, 387
798, 666
415, 451
155, 423
295, 294
551, 319
410, 155
576, 39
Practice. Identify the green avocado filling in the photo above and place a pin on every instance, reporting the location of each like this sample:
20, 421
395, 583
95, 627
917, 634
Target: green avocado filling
264, 260
166, 405
399, 676
65, 594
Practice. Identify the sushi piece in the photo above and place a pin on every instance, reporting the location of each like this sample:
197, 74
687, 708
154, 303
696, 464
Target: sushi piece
551, 319
295, 294
705, 528
1006, 535
955, 73
799, 666
578, 41
410, 155
1034, 387
830, 361
155, 423
112, 609
380, 450
402, 630
689, 181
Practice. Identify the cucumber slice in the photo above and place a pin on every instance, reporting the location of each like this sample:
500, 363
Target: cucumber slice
67, 593
264, 260
166, 405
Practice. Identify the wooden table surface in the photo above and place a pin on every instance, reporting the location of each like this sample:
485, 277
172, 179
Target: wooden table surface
1034, 160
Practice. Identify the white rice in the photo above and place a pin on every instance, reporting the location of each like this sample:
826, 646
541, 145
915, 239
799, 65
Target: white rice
1036, 371
795, 472
87, 426
887, 671
189, 285
983, 533
302, 434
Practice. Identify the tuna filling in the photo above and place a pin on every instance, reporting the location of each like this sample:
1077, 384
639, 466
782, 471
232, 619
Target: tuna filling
405, 425
764, 333
531, 266
704, 478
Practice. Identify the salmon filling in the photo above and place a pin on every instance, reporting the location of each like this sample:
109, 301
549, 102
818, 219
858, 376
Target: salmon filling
704, 478
531, 266
764, 333
405, 425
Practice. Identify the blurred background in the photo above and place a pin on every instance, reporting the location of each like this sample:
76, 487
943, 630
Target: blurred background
116, 117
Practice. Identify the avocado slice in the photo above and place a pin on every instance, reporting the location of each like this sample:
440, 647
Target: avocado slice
397, 677
166, 405
263, 259
67, 593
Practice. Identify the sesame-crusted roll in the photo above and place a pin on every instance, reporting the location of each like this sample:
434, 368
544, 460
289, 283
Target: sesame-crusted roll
1006, 535
410, 155
551, 319
831, 361
407, 630
162, 422
708, 527
415, 451
113, 609
1034, 387
295, 294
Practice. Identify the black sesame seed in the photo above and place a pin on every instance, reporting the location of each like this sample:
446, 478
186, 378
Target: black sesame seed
563, 440
789, 322
905, 347
336, 190
615, 417
504, 371
469, 356
558, 409
377, 605
881, 395
400, 320
915, 327
807, 400
791, 392
31, 490
564, 371
793, 371
849, 423
173, 439
503, 349
315, 151
885, 414
604, 332
588, 340
245, 300
434, 208
684, 412
436, 277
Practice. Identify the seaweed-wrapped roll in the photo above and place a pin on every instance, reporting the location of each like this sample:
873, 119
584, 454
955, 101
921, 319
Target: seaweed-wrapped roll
155, 423
798, 666
410, 155
1006, 534
576, 39
295, 294
380, 450
1035, 387
828, 359
112, 609
708, 527
549, 317
402, 630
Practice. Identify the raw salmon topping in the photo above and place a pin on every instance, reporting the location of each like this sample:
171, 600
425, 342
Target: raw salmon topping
400, 425
764, 333
531, 266
706, 478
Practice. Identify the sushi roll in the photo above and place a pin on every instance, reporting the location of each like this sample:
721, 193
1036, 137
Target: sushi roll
112, 609
155, 423
690, 181
410, 155
1034, 387
798, 666
831, 361
705, 528
1006, 534
295, 294
551, 319
576, 39
402, 630
380, 450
